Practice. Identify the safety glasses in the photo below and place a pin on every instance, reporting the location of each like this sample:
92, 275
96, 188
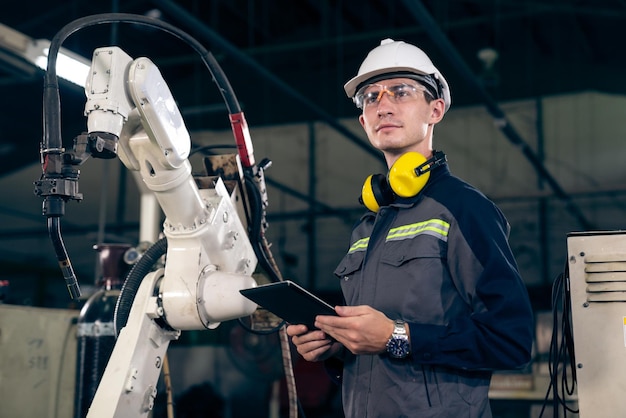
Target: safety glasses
371, 94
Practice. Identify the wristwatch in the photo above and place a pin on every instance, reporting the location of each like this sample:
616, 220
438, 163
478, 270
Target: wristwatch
398, 345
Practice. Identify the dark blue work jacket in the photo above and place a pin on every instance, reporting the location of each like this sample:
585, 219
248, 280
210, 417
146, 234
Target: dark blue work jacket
440, 261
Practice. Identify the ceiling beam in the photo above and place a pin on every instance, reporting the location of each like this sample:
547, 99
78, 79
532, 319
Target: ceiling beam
320, 114
422, 16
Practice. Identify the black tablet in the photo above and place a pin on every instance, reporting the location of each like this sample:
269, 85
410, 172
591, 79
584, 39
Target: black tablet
289, 301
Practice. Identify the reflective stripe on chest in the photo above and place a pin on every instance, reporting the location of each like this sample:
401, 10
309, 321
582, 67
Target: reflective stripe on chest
435, 227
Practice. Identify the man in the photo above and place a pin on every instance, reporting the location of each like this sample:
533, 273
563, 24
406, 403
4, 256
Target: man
434, 298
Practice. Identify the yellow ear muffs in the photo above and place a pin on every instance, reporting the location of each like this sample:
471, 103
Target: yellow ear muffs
376, 192
404, 179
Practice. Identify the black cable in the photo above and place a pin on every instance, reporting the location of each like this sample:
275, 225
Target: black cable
52, 112
256, 237
256, 228
54, 231
208, 148
133, 281
561, 354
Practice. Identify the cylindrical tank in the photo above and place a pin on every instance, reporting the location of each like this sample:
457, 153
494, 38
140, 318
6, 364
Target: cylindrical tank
96, 330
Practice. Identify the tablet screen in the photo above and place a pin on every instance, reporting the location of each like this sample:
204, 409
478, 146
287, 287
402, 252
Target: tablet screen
289, 301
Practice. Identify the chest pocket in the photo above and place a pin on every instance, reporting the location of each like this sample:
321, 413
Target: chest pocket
350, 265
398, 252
395, 257
413, 279
349, 271
417, 265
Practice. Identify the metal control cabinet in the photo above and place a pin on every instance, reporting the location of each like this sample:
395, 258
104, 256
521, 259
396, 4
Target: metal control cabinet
597, 267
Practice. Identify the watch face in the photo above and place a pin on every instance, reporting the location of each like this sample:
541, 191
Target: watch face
398, 347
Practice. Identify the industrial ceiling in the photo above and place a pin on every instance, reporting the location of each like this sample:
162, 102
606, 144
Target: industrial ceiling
287, 60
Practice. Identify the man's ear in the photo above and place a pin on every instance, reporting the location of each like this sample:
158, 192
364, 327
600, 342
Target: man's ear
438, 109
362, 120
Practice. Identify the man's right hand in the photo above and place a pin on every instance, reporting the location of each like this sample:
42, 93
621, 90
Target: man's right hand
313, 345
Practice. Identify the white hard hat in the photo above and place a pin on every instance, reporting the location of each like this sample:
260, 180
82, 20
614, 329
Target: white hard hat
397, 57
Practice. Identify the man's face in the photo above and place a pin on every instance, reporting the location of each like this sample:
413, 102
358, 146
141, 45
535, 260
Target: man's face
397, 117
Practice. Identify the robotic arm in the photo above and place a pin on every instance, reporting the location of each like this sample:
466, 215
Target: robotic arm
209, 257
206, 239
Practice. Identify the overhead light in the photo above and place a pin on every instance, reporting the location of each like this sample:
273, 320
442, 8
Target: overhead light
488, 56
70, 66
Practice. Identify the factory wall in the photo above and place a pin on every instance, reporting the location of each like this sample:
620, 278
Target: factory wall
579, 138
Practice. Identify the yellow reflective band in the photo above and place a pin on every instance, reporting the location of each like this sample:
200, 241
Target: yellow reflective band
360, 245
435, 227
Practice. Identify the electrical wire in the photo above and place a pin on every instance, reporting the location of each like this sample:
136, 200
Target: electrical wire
132, 282
256, 239
561, 358
206, 149
167, 380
